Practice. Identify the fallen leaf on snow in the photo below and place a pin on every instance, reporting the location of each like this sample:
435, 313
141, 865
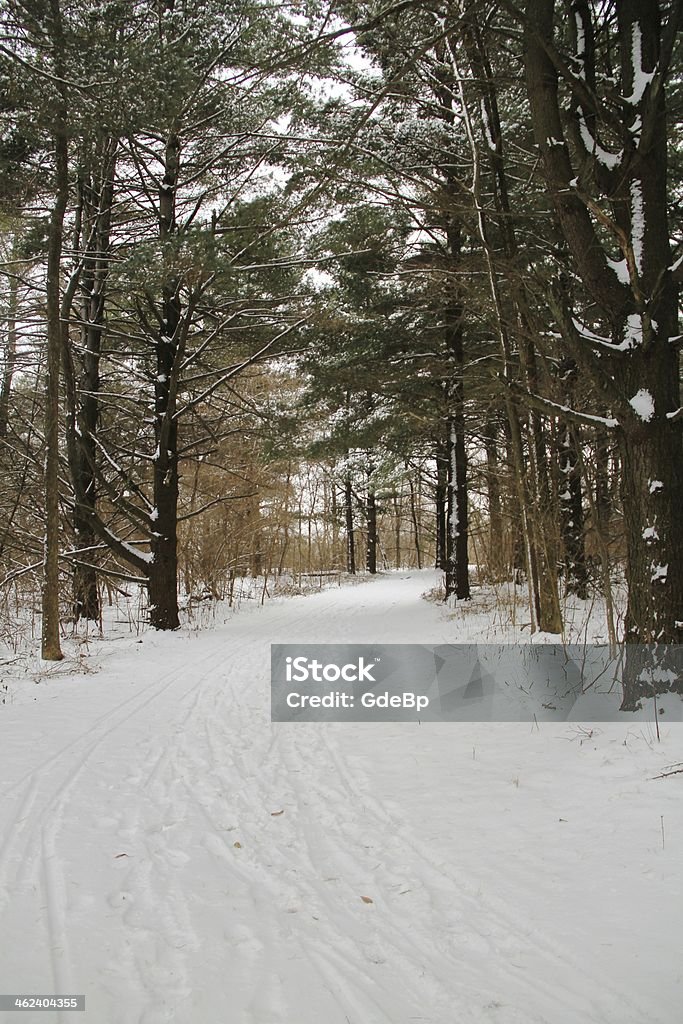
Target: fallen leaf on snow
366, 899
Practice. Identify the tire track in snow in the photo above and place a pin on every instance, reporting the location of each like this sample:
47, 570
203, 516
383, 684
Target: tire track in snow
254, 791
506, 927
373, 940
163, 769
38, 817
270, 875
243, 769
55, 899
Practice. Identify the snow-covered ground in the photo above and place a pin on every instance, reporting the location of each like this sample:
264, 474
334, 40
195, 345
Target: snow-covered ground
173, 855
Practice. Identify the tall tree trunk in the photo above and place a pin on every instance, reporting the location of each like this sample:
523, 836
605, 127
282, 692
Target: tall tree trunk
457, 555
495, 545
10, 356
440, 501
371, 551
603, 490
571, 513
511, 502
397, 532
96, 230
543, 517
50, 645
525, 536
652, 467
457, 533
163, 569
350, 537
415, 522
570, 495
335, 517
256, 552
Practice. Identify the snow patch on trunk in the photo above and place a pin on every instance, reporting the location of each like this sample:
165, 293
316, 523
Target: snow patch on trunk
637, 222
643, 404
641, 79
609, 160
620, 268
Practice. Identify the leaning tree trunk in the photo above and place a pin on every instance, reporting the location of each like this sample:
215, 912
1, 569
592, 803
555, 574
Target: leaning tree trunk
542, 545
10, 353
520, 474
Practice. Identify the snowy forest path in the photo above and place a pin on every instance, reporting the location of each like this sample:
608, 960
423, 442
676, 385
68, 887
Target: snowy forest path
174, 855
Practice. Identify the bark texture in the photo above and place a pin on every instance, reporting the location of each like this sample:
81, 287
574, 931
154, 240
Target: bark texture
638, 374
